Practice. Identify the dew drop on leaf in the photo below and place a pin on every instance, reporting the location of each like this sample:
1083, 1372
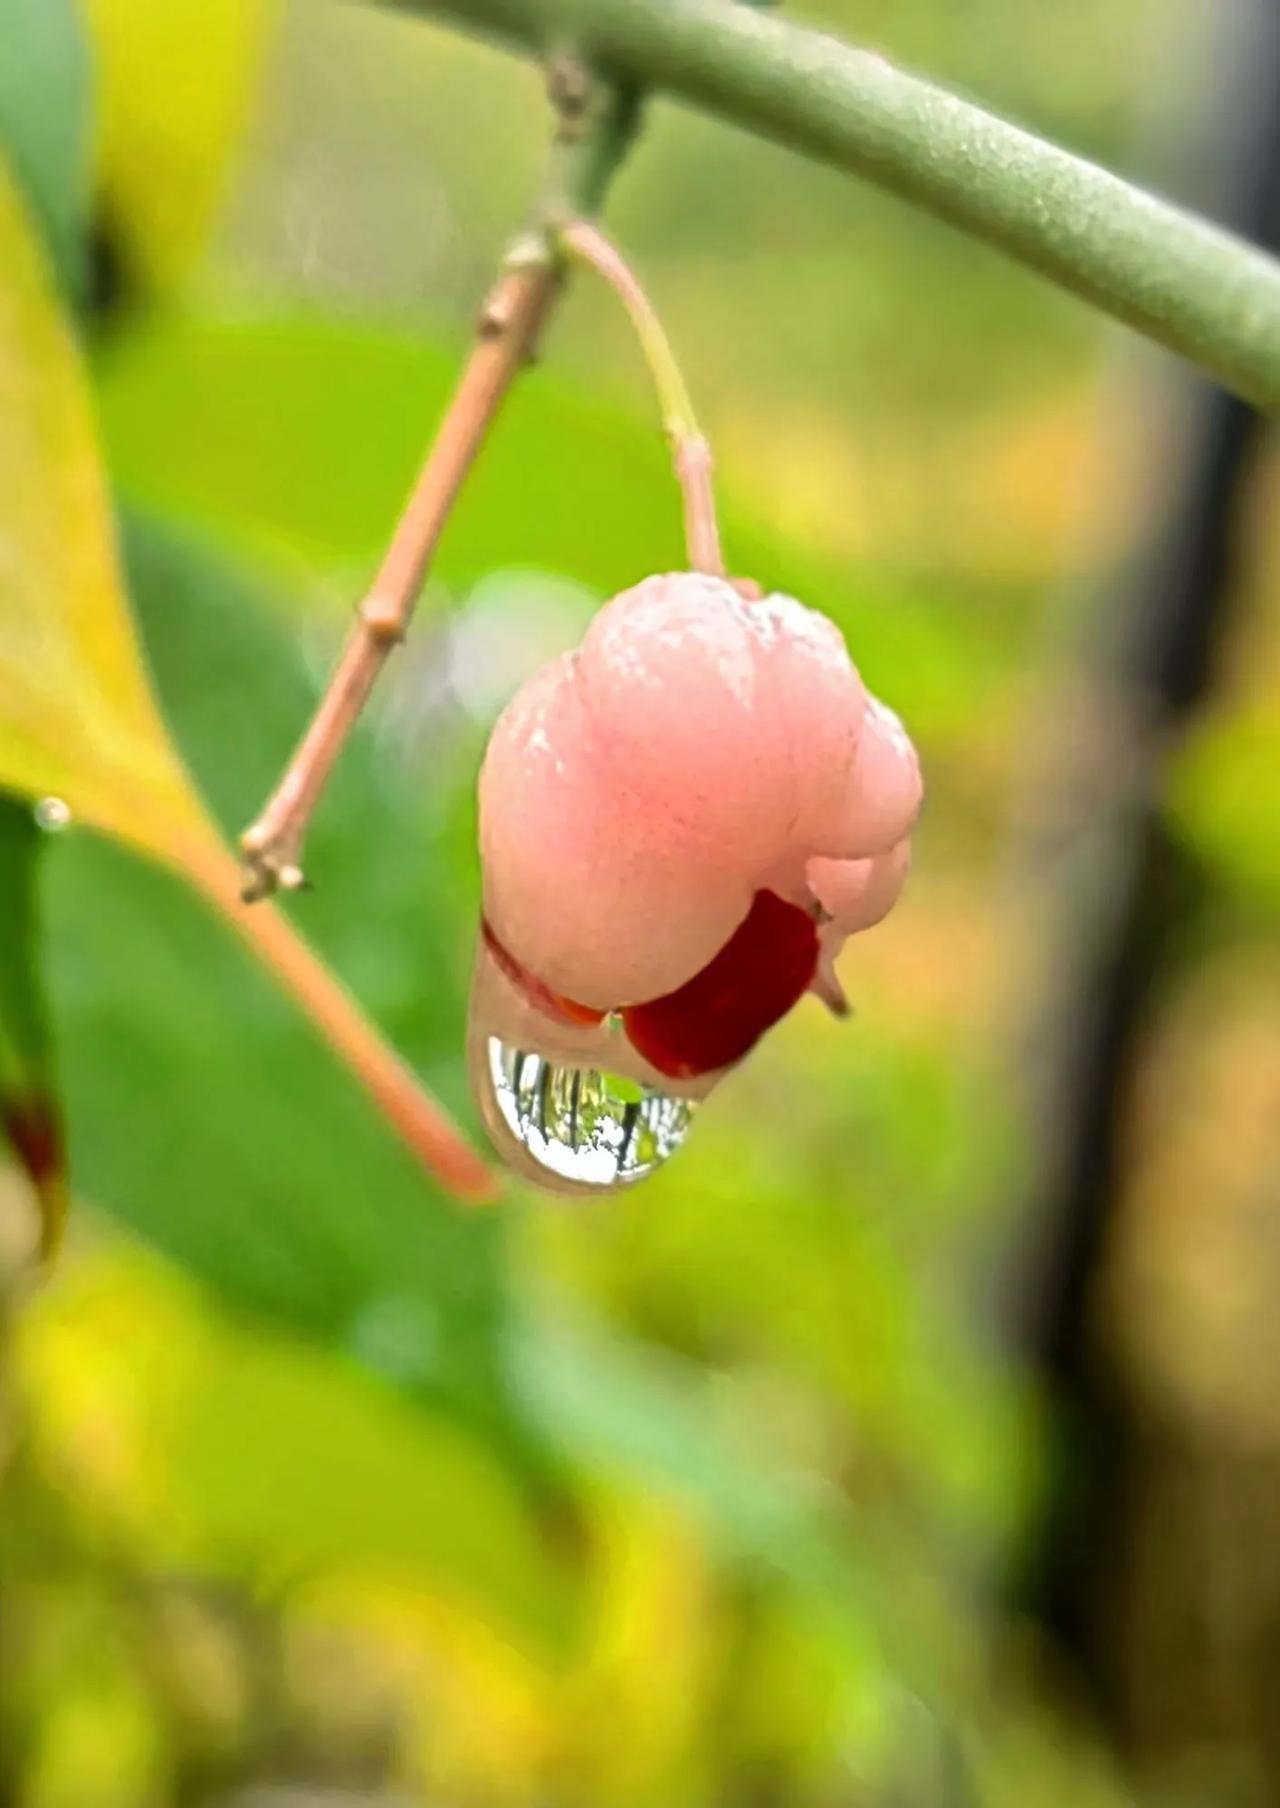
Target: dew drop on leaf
52, 814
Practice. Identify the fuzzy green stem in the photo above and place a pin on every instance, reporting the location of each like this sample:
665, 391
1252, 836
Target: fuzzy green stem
690, 450
1182, 282
589, 246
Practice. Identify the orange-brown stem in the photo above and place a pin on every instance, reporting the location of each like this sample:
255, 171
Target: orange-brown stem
417, 1118
508, 329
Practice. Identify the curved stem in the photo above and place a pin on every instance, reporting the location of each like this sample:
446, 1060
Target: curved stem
1186, 284
587, 243
272, 845
595, 122
690, 451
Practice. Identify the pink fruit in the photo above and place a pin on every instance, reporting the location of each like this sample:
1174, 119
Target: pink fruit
680, 824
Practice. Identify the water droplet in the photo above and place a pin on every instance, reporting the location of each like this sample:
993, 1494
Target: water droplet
52, 814
569, 1103
582, 1127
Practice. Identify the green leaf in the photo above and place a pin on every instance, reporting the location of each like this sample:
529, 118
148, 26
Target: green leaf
45, 124
30, 1113
651, 1417
302, 1461
263, 1453
338, 419
310, 432
1225, 794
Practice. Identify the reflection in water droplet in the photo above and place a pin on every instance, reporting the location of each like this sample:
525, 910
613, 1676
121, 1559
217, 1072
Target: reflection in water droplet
583, 1125
52, 814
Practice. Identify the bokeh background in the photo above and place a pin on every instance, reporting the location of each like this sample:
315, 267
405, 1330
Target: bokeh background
914, 1438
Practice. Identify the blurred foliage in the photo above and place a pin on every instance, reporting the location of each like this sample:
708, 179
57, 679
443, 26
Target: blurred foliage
30, 1110
45, 125
175, 86
78, 720
317, 1490
1229, 804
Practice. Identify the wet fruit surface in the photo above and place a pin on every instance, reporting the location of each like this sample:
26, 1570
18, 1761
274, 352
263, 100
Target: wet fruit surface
534, 990
681, 823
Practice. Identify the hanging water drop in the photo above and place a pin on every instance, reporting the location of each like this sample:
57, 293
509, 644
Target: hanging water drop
568, 1100
580, 1125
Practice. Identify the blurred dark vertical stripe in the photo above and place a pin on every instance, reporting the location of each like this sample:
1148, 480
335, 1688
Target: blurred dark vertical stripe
1133, 890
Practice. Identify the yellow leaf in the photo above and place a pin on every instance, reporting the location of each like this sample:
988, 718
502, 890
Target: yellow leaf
77, 718
77, 715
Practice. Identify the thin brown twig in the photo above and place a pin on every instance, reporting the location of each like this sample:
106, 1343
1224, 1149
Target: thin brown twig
507, 332
690, 451
596, 121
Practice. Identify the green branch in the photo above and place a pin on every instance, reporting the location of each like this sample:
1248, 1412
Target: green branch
1182, 282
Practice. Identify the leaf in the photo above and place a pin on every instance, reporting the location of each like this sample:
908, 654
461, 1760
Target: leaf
1225, 794
78, 719
307, 1462
649, 1416
338, 415
45, 124
205, 1112
249, 1450
30, 1113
